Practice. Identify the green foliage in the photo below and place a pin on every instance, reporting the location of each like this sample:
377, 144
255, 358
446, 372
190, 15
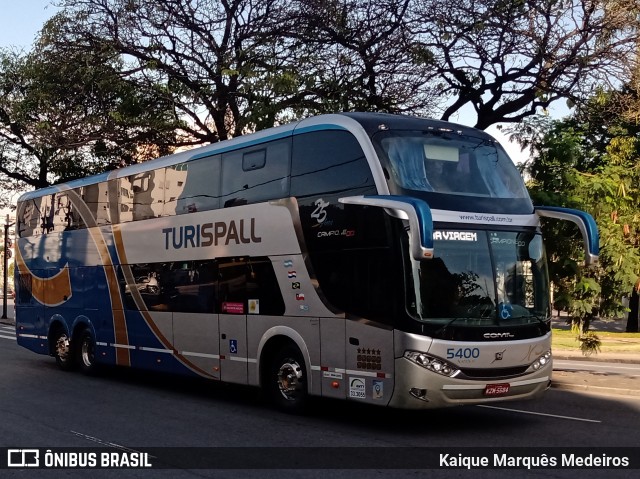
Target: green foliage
66, 114
589, 341
591, 161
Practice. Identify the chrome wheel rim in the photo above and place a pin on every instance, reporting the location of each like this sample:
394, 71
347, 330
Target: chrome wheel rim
86, 353
62, 348
289, 377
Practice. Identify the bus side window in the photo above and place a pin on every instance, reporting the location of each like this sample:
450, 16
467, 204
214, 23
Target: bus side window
193, 186
255, 174
65, 217
329, 162
233, 274
141, 195
29, 217
96, 197
248, 286
263, 291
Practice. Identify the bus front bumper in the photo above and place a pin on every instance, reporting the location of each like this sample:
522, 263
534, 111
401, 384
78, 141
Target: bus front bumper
419, 388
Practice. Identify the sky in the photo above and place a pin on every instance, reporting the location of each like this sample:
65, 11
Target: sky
21, 20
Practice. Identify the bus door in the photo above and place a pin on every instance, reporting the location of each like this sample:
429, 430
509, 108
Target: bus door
195, 337
232, 304
370, 362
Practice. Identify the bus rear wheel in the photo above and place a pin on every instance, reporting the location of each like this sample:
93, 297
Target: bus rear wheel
62, 350
287, 380
85, 352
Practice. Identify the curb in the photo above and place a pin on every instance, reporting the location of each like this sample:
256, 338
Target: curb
617, 359
594, 389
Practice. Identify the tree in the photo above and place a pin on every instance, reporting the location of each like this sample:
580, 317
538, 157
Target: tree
177, 73
220, 62
64, 114
509, 59
361, 56
232, 66
592, 162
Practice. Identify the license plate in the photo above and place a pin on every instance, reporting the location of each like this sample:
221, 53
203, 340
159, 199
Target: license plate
496, 389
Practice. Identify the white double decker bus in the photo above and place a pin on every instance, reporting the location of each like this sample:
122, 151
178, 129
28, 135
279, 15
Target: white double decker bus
377, 258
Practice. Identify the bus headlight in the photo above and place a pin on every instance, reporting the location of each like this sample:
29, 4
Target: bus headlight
431, 363
541, 361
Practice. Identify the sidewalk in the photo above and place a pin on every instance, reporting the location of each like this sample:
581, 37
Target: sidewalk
591, 381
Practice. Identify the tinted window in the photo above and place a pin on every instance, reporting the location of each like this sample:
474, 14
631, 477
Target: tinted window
184, 286
64, 217
232, 292
226, 285
31, 216
359, 282
249, 286
256, 174
328, 162
141, 195
193, 186
96, 197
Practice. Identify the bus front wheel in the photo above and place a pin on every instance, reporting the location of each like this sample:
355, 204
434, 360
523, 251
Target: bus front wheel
287, 381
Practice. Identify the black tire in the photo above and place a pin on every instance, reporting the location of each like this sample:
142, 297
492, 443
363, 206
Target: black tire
61, 350
286, 382
85, 353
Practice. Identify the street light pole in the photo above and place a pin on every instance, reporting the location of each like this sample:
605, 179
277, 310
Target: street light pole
5, 256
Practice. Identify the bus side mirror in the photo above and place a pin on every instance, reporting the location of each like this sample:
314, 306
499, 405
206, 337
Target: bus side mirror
586, 224
407, 208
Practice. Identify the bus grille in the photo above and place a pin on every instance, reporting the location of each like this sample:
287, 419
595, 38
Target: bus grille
477, 373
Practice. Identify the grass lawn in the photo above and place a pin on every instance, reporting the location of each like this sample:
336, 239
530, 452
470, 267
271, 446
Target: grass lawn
611, 342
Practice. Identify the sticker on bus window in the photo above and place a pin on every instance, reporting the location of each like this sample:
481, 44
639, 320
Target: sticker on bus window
233, 308
254, 306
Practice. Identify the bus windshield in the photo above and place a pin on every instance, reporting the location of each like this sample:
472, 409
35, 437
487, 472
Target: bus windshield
450, 162
481, 278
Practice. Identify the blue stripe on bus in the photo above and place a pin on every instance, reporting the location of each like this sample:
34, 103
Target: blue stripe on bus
591, 228
423, 213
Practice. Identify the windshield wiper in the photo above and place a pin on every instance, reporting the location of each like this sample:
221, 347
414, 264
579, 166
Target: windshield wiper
537, 317
488, 308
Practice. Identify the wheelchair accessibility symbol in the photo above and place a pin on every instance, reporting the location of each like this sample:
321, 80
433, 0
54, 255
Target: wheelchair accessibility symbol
233, 346
506, 310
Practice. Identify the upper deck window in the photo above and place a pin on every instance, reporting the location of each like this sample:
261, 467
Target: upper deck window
449, 162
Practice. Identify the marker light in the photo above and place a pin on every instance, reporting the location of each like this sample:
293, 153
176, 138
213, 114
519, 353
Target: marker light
431, 363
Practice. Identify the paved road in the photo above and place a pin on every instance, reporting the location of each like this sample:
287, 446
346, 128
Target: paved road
623, 369
43, 406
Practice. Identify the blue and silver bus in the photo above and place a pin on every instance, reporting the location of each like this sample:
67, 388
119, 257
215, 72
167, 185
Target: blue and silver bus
376, 258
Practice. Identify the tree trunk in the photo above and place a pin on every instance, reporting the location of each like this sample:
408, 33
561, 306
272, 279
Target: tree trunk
632, 320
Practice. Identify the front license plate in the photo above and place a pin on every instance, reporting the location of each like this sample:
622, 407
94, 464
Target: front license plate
496, 389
